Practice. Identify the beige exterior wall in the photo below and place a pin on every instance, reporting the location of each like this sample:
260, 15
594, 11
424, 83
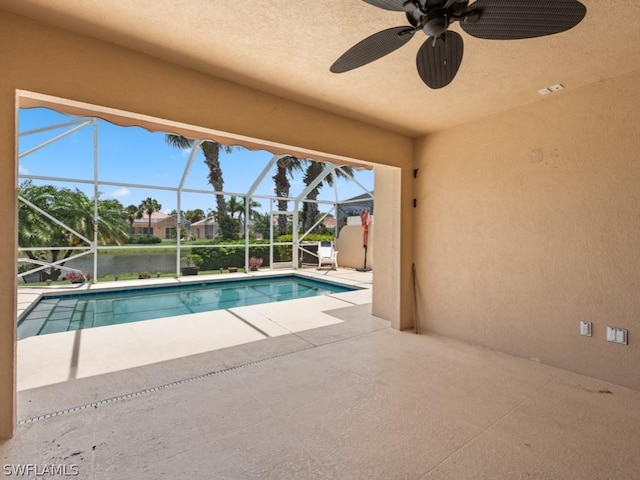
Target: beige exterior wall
529, 221
349, 246
50, 61
159, 227
393, 297
8, 259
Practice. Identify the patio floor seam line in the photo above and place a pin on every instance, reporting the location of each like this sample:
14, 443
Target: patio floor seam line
342, 299
248, 323
177, 383
158, 388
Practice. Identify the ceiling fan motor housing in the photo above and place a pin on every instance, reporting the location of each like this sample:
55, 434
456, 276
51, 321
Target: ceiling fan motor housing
436, 23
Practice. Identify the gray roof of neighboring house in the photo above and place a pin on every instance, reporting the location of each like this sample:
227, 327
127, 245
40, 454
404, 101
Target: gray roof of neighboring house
353, 209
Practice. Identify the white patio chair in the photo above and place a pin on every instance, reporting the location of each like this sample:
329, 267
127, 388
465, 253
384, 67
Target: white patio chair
327, 254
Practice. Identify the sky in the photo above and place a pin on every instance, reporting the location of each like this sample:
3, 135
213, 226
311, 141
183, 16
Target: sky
134, 155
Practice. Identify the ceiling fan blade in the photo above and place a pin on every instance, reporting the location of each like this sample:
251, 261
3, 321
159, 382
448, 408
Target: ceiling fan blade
439, 59
515, 19
372, 48
395, 5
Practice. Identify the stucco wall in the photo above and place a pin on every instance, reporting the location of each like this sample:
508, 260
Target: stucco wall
38, 58
529, 221
349, 246
8, 259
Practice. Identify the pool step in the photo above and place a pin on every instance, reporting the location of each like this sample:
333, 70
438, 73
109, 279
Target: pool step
36, 318
60, 317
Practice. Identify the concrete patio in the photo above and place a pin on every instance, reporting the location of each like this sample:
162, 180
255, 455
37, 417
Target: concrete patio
351, 400
58, 357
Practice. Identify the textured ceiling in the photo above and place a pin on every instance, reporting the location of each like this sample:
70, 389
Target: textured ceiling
286, 48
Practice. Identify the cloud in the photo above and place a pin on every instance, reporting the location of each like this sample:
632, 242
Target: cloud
119, 193
22, 170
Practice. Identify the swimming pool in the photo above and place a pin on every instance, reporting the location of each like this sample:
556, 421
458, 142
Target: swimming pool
76, 311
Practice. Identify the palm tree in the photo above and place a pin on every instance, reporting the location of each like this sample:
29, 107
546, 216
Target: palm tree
133, 213
111, 221
252, 212
310, 209
234, 206
211, 151
148, 206
74, 209
252, 206
285, 168
34, 230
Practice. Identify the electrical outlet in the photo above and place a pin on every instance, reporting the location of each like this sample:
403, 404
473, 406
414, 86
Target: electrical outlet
585, 329
617, 335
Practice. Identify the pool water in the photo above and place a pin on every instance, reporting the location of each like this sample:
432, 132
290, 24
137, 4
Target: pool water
67, 312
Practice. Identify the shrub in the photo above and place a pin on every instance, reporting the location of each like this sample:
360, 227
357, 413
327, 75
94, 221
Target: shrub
282, 253
25, 267
255, 262
143, 239
75, 277
193, 259
231, 255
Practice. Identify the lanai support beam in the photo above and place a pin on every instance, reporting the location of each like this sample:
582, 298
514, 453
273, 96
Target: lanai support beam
247, 204
185, 174
316, 181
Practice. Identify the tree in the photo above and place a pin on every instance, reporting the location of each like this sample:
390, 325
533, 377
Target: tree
195, 215
34, 230
211, 151
229, 227
285, 167
313, 170
148, 206
252, 208
262, 224
74, 209
174, 213
132, 213
234, 206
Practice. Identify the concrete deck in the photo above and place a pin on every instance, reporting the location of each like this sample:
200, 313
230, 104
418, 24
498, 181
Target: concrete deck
58, 357
350, 400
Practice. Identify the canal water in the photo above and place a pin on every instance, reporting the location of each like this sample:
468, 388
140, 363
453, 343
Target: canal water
119, 264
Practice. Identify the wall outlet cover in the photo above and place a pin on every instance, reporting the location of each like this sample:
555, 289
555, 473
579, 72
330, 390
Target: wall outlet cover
617, 335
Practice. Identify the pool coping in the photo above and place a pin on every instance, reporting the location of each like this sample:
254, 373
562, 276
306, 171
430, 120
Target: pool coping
105, 287
26, 294
71, 355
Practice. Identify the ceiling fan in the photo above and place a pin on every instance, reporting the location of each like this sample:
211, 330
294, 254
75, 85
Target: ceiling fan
439, 57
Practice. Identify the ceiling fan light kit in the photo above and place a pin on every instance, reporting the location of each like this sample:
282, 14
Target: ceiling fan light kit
440, 56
